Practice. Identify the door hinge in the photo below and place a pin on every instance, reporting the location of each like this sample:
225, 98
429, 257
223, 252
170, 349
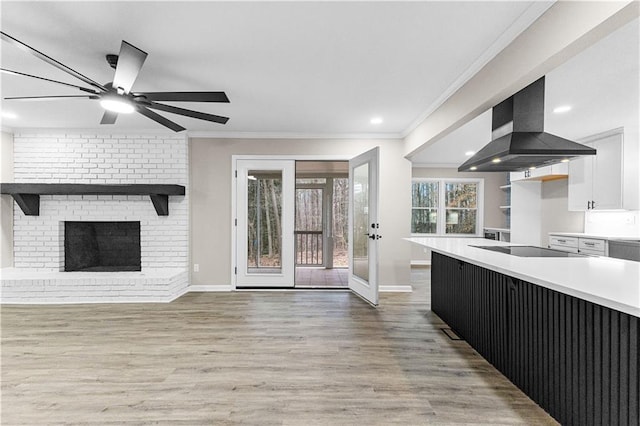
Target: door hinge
236, 173
236, 222
235, 270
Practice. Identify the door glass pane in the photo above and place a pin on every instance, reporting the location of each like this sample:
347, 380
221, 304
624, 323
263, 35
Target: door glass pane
360, 253
340, 222
264, 221
309, 235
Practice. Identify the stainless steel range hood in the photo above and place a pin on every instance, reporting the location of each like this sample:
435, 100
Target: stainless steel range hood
519, 140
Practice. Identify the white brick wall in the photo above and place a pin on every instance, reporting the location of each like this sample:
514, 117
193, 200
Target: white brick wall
101, 159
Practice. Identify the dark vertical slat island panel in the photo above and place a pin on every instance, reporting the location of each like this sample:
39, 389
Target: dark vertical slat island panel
576, 359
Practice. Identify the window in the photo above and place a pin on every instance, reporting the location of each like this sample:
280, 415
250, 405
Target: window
446, 206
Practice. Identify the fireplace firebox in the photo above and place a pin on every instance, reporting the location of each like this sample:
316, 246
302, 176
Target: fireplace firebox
102, 246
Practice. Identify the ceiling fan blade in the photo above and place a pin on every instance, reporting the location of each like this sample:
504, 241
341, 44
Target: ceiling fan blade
186, 96
49, 98
130, 61
189, 113
6, 37
159, 119
11, 72
109, 117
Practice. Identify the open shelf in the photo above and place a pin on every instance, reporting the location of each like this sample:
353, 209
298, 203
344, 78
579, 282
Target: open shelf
27, 195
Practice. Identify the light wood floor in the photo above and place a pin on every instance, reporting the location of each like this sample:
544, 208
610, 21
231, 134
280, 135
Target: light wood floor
281, 358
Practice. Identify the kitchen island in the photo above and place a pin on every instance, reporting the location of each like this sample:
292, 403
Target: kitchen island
564, 330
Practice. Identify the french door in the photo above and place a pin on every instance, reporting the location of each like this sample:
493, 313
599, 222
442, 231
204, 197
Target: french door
265, 197
265, 221
363, 225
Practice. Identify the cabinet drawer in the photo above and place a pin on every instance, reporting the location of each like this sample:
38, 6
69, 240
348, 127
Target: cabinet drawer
564, 248
591, 252
591, 244
556, 240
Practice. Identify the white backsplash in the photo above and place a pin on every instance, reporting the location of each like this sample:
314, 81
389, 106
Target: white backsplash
613, 223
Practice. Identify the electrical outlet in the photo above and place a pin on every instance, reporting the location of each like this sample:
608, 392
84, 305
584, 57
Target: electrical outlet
196, 267
630, 219
424, 250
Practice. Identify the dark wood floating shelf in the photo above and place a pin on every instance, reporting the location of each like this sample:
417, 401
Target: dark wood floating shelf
27, 195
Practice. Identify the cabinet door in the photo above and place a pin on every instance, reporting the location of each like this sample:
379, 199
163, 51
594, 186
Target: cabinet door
516, 176
607, 173
580, 183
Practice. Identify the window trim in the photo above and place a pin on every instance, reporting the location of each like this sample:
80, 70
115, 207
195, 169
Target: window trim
442, 210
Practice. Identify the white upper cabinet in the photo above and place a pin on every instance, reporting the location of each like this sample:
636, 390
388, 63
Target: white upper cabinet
554, 171
596, 182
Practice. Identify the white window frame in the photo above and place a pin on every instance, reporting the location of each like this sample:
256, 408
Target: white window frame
442, 210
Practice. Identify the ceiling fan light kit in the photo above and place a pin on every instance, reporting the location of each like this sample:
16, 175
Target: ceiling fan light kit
116, 97
114, 104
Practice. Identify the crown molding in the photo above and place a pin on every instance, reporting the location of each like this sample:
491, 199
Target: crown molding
287, 135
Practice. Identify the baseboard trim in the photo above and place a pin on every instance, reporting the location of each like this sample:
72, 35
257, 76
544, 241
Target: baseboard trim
204, 288
395, 289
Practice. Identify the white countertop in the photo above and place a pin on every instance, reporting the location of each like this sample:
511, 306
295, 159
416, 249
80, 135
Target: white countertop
598, 236
614, 283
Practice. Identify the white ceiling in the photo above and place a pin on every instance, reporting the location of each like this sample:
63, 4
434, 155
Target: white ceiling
601, 84
289, 68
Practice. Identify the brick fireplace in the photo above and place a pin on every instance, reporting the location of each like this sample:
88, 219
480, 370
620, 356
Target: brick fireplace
39, 252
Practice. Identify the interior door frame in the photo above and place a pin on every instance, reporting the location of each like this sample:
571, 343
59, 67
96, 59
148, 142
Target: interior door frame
234, 207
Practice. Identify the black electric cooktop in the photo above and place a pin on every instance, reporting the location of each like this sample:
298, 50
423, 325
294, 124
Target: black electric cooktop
529, 251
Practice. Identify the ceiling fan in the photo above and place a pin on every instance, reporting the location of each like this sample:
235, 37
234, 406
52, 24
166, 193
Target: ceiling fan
116, 97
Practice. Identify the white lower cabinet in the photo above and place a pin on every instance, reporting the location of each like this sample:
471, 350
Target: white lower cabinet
559, 242
582, 245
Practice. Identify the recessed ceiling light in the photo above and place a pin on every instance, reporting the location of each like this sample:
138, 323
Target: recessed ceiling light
7, 114
376, 120
469, 153
565, 160
532, 168
473, 168
495, 160
117, 105
562, 108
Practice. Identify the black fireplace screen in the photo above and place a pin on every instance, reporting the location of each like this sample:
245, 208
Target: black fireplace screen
102, 246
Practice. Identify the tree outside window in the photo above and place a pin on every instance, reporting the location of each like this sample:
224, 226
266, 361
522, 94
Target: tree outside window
424, 214
461, 208
455, 214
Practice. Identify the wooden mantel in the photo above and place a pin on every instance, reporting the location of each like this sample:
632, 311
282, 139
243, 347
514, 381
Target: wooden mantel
27, 195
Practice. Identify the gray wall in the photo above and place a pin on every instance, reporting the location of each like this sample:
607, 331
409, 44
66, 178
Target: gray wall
494, 197
6, 202
211, 215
